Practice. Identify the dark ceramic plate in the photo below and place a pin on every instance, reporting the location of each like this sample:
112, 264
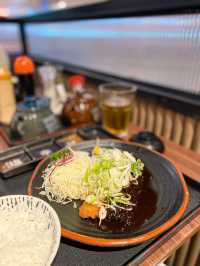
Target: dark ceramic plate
167, 181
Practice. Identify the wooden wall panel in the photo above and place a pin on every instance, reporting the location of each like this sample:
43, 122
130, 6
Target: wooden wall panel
150, 117
177, 128
159, 120
170, 261
135, 116
168, 124
196, 139
142, 114
181, 254
174, 126
194, 251
188, 132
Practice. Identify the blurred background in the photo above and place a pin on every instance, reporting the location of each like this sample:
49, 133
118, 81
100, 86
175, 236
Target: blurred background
17, 8
154, 47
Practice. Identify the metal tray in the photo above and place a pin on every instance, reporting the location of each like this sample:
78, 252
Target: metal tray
24, 157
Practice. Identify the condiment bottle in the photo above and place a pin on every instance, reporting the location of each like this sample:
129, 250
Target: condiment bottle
24, 68
61, 88
76, 84
78, 107
53, 87
7, 97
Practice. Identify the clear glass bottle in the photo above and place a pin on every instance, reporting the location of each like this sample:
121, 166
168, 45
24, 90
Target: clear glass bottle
53, 88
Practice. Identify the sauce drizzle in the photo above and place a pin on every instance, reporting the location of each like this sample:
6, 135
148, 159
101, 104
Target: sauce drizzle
145, 200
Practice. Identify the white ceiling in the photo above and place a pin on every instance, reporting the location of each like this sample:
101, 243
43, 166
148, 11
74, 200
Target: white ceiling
10, 8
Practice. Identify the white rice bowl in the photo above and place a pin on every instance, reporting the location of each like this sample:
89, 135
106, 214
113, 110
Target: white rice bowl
29, 231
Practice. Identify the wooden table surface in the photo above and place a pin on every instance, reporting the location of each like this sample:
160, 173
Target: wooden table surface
187, 161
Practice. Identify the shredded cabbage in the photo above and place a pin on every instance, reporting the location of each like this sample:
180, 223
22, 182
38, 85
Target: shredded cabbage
108, 174
64, 182
97, 179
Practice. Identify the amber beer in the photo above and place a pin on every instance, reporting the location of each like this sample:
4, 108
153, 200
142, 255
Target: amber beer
116, 107
116, 115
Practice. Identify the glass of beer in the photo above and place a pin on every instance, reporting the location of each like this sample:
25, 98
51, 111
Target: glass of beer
116, 103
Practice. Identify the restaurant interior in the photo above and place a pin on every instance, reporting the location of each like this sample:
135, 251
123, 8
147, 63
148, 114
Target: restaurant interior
99, 133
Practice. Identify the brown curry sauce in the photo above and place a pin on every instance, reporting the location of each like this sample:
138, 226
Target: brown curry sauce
145, 200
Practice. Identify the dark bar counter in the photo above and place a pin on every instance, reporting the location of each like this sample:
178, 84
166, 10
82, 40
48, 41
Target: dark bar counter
149, 253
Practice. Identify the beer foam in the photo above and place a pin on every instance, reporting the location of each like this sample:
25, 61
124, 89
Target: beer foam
116, 101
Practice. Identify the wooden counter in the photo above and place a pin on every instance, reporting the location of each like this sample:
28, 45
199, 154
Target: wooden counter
177, 240
188, 162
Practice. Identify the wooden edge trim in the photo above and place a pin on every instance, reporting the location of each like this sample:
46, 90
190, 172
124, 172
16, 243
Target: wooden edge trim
102, 242
166, 237
43, 136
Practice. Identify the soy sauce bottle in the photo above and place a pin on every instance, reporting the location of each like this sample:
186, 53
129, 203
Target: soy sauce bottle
79, 106
24, 69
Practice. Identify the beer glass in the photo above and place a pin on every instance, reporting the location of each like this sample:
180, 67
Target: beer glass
116, 104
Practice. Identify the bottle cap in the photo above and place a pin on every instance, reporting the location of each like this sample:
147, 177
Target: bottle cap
24, 65
76, 80
4, 74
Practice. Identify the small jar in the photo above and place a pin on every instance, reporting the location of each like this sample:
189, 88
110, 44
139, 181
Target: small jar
79, 107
